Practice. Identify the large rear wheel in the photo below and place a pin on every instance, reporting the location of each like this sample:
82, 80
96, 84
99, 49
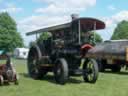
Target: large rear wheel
34, 69
90, 71
61, 71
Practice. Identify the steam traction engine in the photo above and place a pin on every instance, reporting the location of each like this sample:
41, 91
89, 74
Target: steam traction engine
64, 51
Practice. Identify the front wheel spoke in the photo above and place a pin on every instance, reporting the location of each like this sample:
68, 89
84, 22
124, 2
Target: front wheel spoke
90, 77
90, 65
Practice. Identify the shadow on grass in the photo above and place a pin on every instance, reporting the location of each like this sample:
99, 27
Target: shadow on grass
24, 75
51, 79
120, 73
6, 84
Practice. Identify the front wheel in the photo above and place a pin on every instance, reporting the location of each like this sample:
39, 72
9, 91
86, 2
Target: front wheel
90, 71
61, 71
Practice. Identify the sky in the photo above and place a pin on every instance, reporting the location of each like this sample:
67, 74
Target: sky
35, 14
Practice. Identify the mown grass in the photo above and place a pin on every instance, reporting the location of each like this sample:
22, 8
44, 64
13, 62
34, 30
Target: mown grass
108, 84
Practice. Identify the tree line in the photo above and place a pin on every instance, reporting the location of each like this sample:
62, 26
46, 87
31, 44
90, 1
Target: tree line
10, 38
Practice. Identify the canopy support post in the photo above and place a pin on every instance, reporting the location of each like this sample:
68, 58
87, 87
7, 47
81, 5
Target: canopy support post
94, 31
79, 32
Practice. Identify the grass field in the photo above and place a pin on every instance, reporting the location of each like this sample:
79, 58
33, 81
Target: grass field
108, 84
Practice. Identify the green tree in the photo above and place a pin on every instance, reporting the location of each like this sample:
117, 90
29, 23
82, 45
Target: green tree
98, 38
121, 31
44, 36
9, 37
95, 38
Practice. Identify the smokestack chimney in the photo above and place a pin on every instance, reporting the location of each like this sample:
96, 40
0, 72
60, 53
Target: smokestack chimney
74, 16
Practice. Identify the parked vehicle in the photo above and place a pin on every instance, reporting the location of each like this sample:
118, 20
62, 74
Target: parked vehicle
21, 53
111, 54
64, 52
7, 71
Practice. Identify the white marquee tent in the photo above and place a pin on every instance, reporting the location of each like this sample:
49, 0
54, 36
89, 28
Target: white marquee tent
21, 53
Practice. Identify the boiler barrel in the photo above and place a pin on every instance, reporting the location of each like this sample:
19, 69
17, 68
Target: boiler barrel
110, 49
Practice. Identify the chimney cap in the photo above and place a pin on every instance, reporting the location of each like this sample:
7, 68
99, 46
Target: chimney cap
74, 16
